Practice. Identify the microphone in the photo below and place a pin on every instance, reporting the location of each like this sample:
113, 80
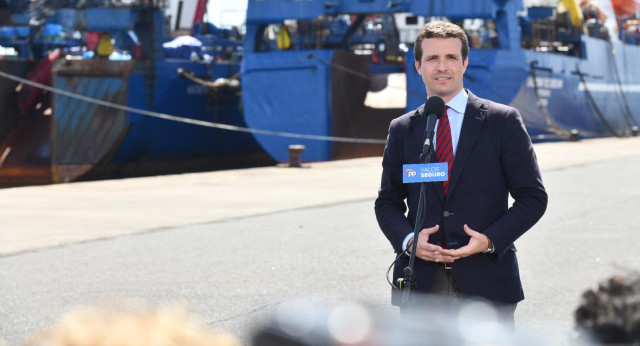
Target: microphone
434, 108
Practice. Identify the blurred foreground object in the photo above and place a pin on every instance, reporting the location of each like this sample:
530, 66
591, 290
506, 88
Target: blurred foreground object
611, 314
472, 322
91, 326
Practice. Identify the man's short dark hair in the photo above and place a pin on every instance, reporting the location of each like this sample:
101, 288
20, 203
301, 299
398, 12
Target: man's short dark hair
440, 29
612, 312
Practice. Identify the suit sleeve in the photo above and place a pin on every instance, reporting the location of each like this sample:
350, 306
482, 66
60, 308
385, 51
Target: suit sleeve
524, 182
390, 205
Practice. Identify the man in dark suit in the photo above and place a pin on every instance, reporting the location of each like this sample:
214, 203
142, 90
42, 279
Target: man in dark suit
466, 246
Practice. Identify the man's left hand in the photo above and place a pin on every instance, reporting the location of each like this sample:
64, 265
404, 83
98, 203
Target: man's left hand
478, 243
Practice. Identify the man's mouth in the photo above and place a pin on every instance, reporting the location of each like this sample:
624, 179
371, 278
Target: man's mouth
442, 78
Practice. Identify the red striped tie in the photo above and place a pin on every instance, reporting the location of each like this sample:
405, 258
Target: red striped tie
444, 146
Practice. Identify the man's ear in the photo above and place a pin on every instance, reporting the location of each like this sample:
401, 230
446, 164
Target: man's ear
417, 64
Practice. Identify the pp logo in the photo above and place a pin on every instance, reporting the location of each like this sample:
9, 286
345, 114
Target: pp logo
410, 173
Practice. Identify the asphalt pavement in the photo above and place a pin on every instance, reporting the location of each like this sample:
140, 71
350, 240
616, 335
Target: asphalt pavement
234, 245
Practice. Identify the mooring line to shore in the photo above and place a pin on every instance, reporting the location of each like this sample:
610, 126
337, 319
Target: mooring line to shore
188, 120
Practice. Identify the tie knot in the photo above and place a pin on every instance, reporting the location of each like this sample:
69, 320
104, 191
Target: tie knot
446, 109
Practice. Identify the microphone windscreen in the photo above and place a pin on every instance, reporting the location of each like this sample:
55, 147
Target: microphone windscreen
434, 105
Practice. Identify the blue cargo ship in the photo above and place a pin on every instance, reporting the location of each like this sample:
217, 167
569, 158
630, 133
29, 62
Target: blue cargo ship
312, 67
119, 57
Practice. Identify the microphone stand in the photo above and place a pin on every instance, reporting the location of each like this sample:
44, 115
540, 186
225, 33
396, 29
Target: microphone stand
427, 153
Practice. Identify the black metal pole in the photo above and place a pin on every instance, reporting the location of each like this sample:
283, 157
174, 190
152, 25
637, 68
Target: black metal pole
409, 277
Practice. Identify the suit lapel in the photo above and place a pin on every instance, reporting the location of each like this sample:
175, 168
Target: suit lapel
419, 126
474, 117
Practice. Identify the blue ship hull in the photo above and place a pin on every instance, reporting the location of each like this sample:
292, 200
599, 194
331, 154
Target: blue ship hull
592, 93
127, 143
55, 137
598, 107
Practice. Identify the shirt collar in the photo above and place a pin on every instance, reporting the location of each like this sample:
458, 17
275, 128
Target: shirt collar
459, 102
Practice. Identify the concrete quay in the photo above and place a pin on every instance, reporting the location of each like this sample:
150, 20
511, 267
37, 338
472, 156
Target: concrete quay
44, 216
236, 244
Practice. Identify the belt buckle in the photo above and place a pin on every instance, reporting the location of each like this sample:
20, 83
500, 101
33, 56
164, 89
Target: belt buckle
447, 265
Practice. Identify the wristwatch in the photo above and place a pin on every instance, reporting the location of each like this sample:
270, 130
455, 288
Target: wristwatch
490, 249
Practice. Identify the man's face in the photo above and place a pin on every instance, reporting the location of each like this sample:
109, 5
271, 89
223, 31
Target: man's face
442, 67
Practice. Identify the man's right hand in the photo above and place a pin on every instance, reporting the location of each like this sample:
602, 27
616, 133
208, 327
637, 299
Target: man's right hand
427, 251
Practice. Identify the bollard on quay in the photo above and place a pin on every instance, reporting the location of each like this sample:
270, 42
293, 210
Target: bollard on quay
573, 135
294, 154
634, 131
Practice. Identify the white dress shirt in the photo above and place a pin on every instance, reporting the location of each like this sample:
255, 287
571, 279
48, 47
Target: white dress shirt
457, 106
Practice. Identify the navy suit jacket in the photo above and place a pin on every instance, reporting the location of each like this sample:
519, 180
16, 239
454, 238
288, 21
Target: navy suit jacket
494, 158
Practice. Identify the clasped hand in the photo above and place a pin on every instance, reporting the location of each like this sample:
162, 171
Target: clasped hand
430, 252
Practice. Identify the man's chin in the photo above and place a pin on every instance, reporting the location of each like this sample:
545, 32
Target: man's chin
441, 93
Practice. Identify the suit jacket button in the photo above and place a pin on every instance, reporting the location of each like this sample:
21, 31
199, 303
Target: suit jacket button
446, 213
